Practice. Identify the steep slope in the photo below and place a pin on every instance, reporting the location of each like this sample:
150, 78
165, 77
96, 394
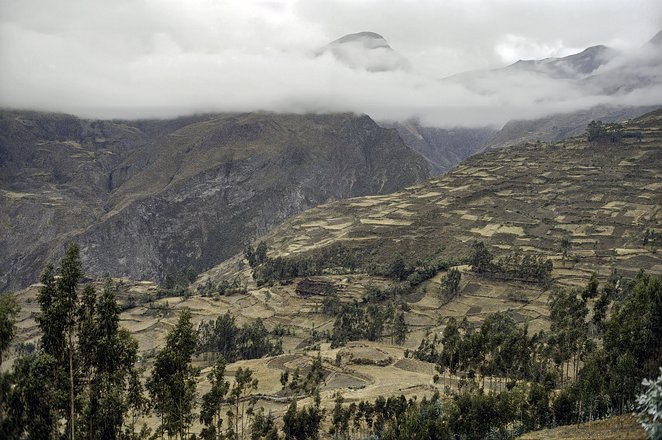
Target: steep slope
572, 66
146, 198
443, 148
600, 196
560, 126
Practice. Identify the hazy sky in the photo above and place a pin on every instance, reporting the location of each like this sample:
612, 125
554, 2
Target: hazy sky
144, 58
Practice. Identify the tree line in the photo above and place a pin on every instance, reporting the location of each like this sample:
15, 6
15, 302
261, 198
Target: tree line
514, 266
225, 338
597, 360
83, 378
83, 382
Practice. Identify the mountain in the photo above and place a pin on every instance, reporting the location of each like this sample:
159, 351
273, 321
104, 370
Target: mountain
600, 196
656, 40
146, 198
596, 71
560, 126
443, 148
365, 50
571, 66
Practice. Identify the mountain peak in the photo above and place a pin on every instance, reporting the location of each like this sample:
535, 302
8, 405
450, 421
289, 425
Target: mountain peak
657, 39
371, 40
366, 50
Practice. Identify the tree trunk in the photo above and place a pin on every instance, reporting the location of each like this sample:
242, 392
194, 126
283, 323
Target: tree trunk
236, 418
72, 423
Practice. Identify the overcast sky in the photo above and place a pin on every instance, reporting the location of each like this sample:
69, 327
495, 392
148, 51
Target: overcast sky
157, 58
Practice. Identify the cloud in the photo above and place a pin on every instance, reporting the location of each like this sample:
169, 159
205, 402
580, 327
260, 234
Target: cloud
162, 58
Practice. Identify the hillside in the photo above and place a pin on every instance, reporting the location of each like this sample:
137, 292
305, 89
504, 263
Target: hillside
616, 428
560, 126
600, 196
443, 148
147, 198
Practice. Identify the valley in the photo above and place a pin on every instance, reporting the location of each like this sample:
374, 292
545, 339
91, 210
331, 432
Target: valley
599, 198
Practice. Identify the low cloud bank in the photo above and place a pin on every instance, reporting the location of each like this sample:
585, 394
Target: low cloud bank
150, 62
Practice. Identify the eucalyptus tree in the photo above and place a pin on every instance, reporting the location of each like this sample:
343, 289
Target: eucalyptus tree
173, 380
213, 401
59, 301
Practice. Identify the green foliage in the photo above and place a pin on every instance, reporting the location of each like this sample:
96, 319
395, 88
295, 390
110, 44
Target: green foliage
400, 328
398, 270
634, 331
566, 244
8, 311
213, 401
310, 384
649, 406
303, 424
331, 305
34, 398
59, 306
340, 418
376, 295
85, 369
263, 426
179, 281
356, 321
591, 289
257, 256
224, 288
598, 131
515, 266
569, 329
450, 285
335, 258
244, 385
108, 355
481, 257
223, 336
173, 379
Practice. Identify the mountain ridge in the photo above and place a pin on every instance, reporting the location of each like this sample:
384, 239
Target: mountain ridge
130, 194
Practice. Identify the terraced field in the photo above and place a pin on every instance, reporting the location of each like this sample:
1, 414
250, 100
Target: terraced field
601, 197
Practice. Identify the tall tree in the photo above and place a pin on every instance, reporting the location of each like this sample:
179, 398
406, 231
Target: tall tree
400, 328
173, 379
8, 311
9, 426
58, 321
108, 357
244, 385
213, 400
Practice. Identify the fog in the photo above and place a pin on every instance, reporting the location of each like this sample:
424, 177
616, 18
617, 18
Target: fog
158, 58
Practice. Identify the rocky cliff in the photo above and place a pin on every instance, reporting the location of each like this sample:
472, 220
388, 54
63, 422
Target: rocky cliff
145, 198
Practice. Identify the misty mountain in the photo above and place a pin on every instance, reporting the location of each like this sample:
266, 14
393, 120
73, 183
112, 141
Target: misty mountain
560, 126
145, 198
629, 72
597, 70
443, 148
366, 50
572, 66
